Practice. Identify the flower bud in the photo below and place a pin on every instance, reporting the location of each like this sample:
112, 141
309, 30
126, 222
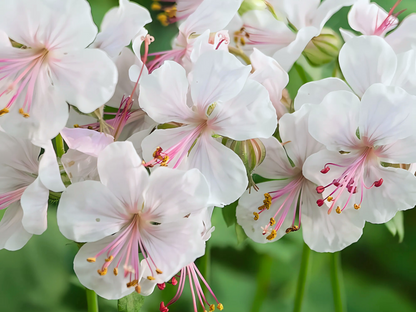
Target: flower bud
249, 5
323, 48
252, 153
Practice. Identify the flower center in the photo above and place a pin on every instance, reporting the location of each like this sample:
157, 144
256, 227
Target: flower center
350, 180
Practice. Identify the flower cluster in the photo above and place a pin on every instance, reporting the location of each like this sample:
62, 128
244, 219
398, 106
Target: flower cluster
140, 146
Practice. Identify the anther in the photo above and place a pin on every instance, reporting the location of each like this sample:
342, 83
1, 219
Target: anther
138, 289
356, 207
211, 308
156, 6
76, 126
165, 161
109, 259
320, 202
329, 199
22, 112
272, 235
102, 272
256, 215
91, 259
272, 221
338, 210
174, 281
150, 278
159, 271
292, 229
161, 286
115, 271
220, 306
4, 111
378, 183
132, 283
325, 170
320, 189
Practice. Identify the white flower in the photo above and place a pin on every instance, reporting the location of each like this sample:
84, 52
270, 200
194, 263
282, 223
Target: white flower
364, 61
221, 101
130, 212
270, 30
359, 137
49, 66
25, 181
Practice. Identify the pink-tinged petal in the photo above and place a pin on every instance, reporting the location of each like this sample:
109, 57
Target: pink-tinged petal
35, 207
88, 211
208, 16
223, 169
86, 78
249, 202
163, 94
403, 38
86, 141
328, 233
398, 192
387, 114
183, 192
298, 12
402, 151
315, 91
205, 42
275, 165
367, 60
13, 235
217, 76
55, 24
366, 17
326, 9
289, 55
108, 286
294, 129
120, 25
80, 166
272, 76
405, 76
49, 172
346, 34
122, 171
249, 115
335, 121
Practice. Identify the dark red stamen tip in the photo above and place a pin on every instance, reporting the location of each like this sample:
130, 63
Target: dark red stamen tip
320, 189
174, 281
161, 286
378, 183
325, 170
320, 202
162, 307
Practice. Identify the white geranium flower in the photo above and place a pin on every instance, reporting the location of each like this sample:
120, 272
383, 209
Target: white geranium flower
359, 137
222, 101
128, 212
48, 66
25, 181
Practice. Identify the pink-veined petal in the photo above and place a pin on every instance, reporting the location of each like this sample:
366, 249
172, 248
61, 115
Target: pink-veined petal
86, 141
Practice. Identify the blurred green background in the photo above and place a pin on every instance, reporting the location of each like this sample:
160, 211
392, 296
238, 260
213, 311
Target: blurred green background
379, 272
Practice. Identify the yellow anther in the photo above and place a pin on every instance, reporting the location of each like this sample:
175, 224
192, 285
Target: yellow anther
292, 229
163, 19
109, 259
90, 127
132, 283
171, 12
272, 235
115, 271
338, 210
22, 112
242, 41
138, 289
356, 207
165, 161
76, 126
102, 272
157, 152
159, 271
150, 278
220, 306
256, 215
272, 221
4, 111
91, 259
156, 6
212, 307
330, 198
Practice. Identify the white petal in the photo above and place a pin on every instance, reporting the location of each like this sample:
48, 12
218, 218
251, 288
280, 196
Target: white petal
272, 76
86, 141
328, 233
55, 24
80, 166
108, 286
122, 171
294, 128
298, 12
405, 76
35, 208
326, 9
88, 211
346, 34
163, 94
401, 151
387, 115
403, 38
76, 118
13, 236
49, 173
249, 115
289, 55
217, 76
86, 78
120, 25
335, 121
315, 91
367, 60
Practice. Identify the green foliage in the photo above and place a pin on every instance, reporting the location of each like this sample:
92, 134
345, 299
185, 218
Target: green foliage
396, 226
131, 303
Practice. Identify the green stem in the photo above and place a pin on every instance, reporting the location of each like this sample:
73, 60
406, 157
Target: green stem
92, 300
205, 263
303, 273
240, 53
60, 148
263, 282
337, 283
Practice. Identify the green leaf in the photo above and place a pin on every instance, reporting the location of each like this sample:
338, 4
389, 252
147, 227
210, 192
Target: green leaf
395, 226
241, 235
131, 303
228, 212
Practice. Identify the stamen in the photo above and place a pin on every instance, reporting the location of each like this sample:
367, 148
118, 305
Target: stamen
138, 289
272, 235
91, 259
21, 112
150, 278
115, 271
4, 111
102, 272
256, 216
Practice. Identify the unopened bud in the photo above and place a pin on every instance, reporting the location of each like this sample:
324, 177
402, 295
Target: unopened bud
324, 48
249, 5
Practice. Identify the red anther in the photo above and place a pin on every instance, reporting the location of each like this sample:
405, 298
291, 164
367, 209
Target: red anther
325, 170
174, 281
378, 183
161, 286
350, 189
336, 183
162, 307
320, 189
320, 202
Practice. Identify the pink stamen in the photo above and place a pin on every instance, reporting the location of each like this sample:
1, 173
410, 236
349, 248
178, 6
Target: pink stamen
389, 22
10, 197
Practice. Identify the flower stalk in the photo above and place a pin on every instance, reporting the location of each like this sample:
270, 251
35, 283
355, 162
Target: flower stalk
303, 274
92, 300
337, 283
